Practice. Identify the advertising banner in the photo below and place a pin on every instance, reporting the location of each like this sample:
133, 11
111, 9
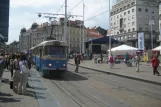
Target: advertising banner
141, 41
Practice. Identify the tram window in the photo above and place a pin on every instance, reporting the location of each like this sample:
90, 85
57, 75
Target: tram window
55, 51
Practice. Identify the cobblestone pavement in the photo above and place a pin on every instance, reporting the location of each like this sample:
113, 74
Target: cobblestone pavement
10, 99
145, 73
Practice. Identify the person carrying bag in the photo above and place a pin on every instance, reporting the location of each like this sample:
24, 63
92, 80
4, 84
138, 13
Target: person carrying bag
24, 72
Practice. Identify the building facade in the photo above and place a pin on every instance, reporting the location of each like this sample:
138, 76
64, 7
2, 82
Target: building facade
32, 37
159, 36
129, 17
13, 47
4, 20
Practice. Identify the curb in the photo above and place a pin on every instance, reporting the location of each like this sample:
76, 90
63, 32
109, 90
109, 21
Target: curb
121, 75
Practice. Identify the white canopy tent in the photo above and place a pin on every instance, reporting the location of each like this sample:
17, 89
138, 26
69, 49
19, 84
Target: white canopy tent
157, 48
122, 49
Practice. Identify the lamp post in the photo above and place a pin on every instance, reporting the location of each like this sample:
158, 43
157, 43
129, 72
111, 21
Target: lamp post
151, 23
109, 30
83, 27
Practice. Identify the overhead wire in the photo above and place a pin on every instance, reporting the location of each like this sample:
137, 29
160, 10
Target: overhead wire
60, 8
96, 15
75, 5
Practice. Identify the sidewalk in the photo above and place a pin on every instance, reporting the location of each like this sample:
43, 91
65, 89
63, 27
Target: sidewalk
37, 96
145, 74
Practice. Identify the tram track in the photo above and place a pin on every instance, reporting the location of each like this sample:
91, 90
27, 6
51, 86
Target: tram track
75, 91
144, 91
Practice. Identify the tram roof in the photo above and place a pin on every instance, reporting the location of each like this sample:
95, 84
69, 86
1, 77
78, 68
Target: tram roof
50, 42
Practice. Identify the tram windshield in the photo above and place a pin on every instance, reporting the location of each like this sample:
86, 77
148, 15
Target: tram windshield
55, 51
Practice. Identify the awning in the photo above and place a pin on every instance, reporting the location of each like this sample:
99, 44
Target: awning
103, 40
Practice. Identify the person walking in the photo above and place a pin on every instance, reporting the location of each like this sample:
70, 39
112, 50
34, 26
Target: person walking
11, 64
77, 62
155, 63
2, 66
16, 73
133, 59
126, 57
137, 61
111, 60
24, 70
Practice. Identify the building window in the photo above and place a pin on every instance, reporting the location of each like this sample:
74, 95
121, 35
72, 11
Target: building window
129, 18
129, 30
128, 5
124, 7
124, 13
117, 16
117, 10
133, 23
128, 24
146, 10
132, 10
120, 9
132, 3
147, 29
133, 29
139, 9
129, 12
140, 29
133, 17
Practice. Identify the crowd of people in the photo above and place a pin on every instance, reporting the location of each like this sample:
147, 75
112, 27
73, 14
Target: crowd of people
19, 65
130, 60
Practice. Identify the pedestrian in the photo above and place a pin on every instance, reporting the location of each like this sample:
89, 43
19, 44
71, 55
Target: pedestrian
101, 58
2, 66
111, 61
155, 63
77, 62
133, 59
11, 64
23, 64
16, 73
126, 57
137, 61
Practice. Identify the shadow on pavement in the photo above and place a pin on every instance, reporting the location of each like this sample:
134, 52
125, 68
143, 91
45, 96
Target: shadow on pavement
34, 94
6, 81
70, 76
4, 94
7, 100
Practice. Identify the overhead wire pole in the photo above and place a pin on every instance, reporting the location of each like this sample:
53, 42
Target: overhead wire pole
83, 26
109, 31
65, 22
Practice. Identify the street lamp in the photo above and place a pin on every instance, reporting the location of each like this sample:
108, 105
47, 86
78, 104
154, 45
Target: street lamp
109, 30
151, 23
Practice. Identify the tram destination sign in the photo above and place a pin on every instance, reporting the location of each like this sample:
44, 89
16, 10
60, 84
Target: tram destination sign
56, 43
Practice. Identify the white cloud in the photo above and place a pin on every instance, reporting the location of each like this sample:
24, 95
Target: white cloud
28, 8
34, 3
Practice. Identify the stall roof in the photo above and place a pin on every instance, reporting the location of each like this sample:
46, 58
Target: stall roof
103, 40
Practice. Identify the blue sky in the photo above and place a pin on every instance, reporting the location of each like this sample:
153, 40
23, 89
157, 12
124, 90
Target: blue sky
23, 13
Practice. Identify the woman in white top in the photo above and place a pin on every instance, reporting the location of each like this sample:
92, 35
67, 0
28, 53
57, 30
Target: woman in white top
23, 75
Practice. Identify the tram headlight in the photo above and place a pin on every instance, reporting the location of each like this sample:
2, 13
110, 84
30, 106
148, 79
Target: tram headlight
50, 65
64, 65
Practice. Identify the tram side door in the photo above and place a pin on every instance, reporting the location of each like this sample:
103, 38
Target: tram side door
40, 54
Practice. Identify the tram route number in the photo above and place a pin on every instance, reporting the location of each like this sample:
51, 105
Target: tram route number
56, 43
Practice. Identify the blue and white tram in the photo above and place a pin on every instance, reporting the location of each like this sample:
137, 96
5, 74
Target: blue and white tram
50, 57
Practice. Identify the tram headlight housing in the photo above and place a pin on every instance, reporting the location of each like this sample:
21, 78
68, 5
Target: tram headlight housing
50, 65
64, 65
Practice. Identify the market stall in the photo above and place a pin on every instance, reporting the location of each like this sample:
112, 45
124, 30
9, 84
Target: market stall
121, 50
